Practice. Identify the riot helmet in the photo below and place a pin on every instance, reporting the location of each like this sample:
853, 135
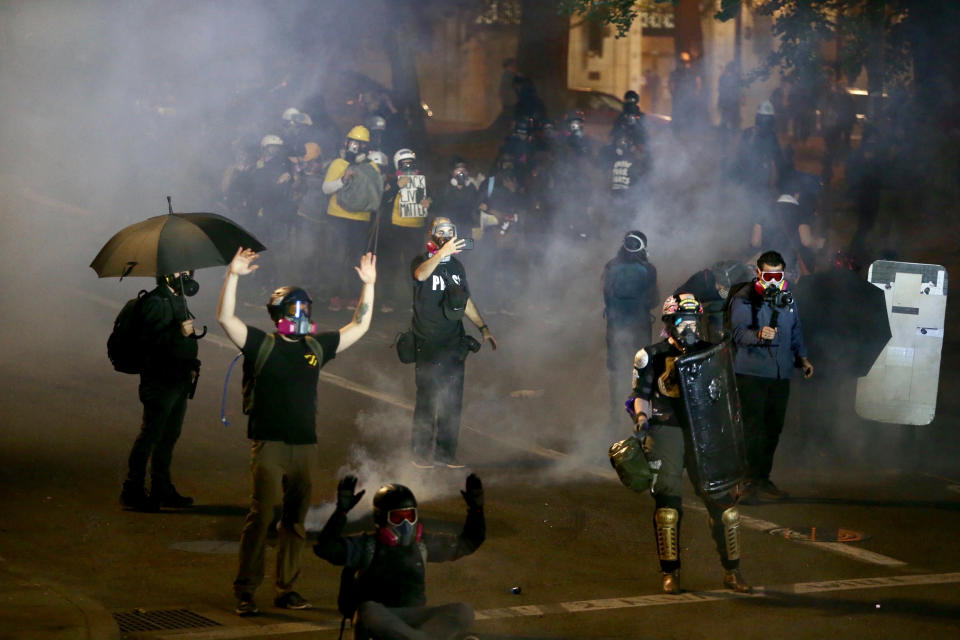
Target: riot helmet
630, 97
682, 317
396, 516
405, 161
289, 308
378, 158
727, 273
271, 145
295, 116
375, 122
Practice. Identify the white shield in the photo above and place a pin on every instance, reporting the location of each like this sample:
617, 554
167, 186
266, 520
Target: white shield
901, 387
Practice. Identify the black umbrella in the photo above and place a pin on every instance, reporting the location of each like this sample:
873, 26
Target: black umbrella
171, 243
845, 323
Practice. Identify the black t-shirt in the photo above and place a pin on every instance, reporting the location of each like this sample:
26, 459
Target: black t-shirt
429, 320
285, 392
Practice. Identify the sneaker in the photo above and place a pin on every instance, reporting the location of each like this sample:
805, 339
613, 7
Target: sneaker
172, 499
671, 582
734, 581
135, 498
422, 463
770, 490
291, 600
452, 464
386, 308
336, 304
352, 305
246, 606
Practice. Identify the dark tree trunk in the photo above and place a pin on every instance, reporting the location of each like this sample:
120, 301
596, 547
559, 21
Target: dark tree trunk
542, 53
688, 36
403, 68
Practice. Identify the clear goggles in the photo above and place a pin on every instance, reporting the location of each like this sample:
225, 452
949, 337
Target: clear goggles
445, 230
397, 517
297, 309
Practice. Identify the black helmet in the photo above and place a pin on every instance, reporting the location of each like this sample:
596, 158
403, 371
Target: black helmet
631, 97
391, 497
282, 297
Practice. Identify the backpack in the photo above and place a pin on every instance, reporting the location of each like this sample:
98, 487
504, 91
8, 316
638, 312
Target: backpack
364, 191
266, 347
738, 290
625, 287
124, 346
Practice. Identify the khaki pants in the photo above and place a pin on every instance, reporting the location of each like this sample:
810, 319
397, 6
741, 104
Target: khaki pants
281, 477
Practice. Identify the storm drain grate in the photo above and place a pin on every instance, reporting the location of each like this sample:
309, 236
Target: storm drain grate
161, 620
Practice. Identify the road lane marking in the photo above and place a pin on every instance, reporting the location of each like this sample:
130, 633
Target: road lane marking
601, 604
756, 524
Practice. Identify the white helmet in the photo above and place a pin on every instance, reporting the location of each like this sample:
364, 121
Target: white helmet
765, 108
270, 139
295, 115
403, 154
378, 158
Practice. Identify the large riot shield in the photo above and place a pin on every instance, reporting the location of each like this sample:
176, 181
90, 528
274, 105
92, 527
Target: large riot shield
714, 424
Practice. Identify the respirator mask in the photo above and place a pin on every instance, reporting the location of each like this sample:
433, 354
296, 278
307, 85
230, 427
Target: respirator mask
182, 283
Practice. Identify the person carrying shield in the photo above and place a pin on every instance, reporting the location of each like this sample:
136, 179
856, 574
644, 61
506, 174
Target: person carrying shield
686, 411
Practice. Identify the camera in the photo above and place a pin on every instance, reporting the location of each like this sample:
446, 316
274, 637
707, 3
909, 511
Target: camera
778, 297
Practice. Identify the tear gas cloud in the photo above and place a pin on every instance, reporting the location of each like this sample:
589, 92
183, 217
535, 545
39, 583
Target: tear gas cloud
112, 105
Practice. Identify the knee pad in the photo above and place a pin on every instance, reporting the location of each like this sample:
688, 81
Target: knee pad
666, 523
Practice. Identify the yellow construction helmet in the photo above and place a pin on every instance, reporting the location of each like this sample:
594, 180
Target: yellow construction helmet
359, 133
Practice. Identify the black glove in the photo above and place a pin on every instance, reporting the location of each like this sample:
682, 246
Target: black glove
473, 495
346, 498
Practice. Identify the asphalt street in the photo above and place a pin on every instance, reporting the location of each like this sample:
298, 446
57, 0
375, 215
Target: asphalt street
561, 528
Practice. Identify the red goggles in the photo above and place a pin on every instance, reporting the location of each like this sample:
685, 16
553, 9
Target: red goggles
771, 276
399, 516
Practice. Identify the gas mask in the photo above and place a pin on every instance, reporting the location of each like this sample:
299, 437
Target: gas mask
351, 150
183, 283
296, 319
442, 232
770, 281
459, 178
685, 330
289, 307
576, 129
402, 528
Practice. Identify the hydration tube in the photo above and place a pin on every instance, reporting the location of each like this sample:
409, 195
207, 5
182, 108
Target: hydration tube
223, 401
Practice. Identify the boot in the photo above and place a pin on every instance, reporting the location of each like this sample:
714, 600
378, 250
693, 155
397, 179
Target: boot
671, 581
168, 496
734, 581
134, 497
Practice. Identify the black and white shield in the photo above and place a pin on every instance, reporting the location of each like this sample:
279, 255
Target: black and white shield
713, 420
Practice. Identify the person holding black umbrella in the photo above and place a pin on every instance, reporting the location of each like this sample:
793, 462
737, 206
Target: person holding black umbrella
281, 371
167, 378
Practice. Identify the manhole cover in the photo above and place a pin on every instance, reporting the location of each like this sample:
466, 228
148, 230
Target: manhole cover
226, 547
161, 620
819, 534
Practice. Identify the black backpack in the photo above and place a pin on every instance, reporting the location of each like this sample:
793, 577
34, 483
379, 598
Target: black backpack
124, 346
626, 287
